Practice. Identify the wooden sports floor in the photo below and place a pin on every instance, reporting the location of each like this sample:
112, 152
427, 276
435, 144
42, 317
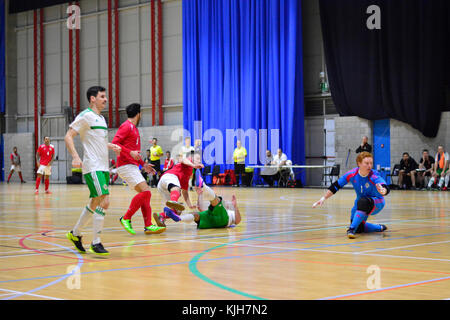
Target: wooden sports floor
283, 249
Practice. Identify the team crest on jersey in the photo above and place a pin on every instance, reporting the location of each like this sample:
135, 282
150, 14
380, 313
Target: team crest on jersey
105, 186
367, 185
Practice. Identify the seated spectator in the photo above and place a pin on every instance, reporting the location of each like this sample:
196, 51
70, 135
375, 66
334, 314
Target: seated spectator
425, 168
408, 168
268, 174
440, 169
169, 163
365, 146
291, 171
280, 160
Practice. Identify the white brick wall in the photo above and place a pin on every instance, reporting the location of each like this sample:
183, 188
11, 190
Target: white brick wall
404, 138
25, 147
349, 132
168, 138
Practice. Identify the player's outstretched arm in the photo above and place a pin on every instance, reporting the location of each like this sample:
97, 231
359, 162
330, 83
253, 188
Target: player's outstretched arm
322, 200
114, 147
37, 158
188, 162
383, 189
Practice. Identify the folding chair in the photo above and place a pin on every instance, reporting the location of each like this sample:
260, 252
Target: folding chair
334, 172
394, 173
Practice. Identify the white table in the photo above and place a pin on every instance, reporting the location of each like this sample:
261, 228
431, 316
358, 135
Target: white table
294, 166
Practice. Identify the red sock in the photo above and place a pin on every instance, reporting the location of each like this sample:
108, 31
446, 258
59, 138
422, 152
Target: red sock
135, 204
146, 209
47, 183
20, 176
38, 182
175, 195
9, 177
163, 214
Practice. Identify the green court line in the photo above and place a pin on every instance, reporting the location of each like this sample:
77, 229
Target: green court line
193, 263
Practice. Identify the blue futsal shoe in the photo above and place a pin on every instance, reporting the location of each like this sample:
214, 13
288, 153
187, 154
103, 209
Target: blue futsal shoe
171, 214
351, 233
198, 179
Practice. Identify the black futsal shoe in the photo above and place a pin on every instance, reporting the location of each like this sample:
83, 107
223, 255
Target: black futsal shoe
98, 249
76, 242
351, 233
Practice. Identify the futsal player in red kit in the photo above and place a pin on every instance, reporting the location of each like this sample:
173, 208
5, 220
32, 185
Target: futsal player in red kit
174, 183
128, 138
44, 159
15, 165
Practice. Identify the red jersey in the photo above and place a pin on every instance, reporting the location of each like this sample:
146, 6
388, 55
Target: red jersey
168, 164
183, 172
15, 158
128, 138
45, 154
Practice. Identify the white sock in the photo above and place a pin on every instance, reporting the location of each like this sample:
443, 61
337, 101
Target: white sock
447, 178
208, 193
85, 217
99, 219
187, 217
441, 182
430, 183
203, 205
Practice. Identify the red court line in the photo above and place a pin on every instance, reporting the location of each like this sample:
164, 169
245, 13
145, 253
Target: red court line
172, 253
352, 265
22, 244
114, 259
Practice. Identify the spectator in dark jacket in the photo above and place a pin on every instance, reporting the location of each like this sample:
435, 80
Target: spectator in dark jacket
426, 168
408, 167
365, 146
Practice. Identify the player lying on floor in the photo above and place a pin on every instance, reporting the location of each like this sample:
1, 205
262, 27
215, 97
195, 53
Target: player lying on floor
370, 191
214, 212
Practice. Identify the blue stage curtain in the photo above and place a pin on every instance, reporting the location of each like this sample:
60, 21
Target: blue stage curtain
242, 69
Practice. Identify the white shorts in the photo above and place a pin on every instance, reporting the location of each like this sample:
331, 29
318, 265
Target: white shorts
16, 167
45, 170
163, 185
131, 174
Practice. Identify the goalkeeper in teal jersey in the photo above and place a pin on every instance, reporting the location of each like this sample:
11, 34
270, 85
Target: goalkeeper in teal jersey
370, 190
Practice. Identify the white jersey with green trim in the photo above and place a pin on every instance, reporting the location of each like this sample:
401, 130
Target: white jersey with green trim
93, 132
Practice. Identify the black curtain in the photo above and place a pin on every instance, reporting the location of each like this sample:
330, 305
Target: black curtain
400, 71
16, 6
